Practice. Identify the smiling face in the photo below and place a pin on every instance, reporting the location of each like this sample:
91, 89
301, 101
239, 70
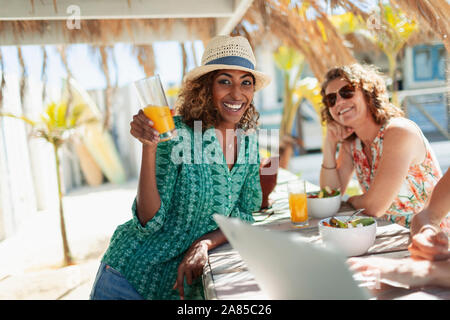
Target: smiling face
233, 92
347, 111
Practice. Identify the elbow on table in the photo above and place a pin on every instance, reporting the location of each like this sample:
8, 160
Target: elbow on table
375, 210
374, 213
371, 208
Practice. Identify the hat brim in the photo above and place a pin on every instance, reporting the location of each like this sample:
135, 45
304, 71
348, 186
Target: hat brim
261, 79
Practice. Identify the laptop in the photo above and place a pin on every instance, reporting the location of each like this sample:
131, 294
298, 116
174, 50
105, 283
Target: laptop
285, 266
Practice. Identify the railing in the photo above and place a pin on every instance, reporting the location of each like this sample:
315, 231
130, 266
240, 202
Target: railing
407, 99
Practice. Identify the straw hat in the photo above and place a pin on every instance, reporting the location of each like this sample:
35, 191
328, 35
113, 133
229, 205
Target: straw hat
226, 52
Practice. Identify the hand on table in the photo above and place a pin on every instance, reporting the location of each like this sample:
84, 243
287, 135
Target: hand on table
405, 272
429, 243
191, 266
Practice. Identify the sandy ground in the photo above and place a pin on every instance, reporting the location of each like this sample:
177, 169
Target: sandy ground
31, 260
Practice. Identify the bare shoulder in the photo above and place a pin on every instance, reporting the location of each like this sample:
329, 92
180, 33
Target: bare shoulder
404, 136
402, 130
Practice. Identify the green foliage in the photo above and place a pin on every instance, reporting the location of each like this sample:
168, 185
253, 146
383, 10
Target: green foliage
347, 23
395, 29
57, 123
286, 58
389, 29
291, 62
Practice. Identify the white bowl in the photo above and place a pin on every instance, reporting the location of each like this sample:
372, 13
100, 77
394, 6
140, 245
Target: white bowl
323, 207
352, 241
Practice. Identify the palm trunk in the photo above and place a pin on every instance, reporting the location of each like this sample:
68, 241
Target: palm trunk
286, 108
299, 124
67, 255
392, 69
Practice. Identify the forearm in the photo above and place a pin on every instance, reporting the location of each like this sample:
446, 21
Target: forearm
212, 239
439, 273
436, 209
439, 202
329, 175
196, 258
330, 178
372, 208
148, 199
422, 219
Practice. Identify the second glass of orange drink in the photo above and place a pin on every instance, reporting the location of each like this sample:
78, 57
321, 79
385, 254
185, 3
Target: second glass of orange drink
297, 203
154, 105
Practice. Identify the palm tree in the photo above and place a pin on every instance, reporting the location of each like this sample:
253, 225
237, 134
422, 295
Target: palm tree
309, 88
57, 124
390, 30
291, 63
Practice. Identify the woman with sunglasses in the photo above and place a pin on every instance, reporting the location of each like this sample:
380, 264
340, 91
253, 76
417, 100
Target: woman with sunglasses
393, 161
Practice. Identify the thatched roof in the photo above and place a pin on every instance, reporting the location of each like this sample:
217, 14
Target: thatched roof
315, 36
303, 25
104, 32
101, 35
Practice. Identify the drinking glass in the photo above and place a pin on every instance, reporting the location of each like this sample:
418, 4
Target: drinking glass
154, 105
297, 203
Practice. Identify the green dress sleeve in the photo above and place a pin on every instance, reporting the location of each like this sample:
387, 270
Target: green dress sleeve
166, 176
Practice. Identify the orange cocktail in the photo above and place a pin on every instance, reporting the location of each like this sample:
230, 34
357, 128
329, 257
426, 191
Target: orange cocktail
298, 203
298, 207
161, 117
154, 105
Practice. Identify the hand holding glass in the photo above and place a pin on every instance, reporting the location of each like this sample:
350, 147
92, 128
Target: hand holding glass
154, 105
297, 203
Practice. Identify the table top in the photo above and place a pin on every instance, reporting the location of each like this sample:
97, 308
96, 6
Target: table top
226, 276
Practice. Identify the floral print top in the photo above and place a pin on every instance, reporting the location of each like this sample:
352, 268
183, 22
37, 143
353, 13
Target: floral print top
194, 182
417, 186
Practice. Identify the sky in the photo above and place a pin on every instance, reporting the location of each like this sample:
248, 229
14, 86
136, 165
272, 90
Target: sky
86, 69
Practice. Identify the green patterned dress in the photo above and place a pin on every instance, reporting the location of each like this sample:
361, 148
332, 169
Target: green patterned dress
194, 183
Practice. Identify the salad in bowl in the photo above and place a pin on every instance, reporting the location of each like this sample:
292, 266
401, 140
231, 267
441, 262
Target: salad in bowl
353, 237
323, 203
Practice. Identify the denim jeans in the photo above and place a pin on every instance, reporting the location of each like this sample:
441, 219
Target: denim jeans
109, 284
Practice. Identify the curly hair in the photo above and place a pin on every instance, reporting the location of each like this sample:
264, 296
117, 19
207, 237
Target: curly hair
375, 93
195, 102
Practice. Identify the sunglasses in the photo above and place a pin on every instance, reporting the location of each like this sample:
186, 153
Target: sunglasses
346, 92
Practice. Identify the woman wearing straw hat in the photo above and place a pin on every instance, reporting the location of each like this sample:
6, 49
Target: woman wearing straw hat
212, 166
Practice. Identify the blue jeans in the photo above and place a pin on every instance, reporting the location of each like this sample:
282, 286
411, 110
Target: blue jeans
109, 284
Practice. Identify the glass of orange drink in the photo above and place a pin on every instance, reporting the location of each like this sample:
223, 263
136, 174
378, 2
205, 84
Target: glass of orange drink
154, 105
297, 203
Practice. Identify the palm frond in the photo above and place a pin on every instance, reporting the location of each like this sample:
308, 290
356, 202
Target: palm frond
23, 118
